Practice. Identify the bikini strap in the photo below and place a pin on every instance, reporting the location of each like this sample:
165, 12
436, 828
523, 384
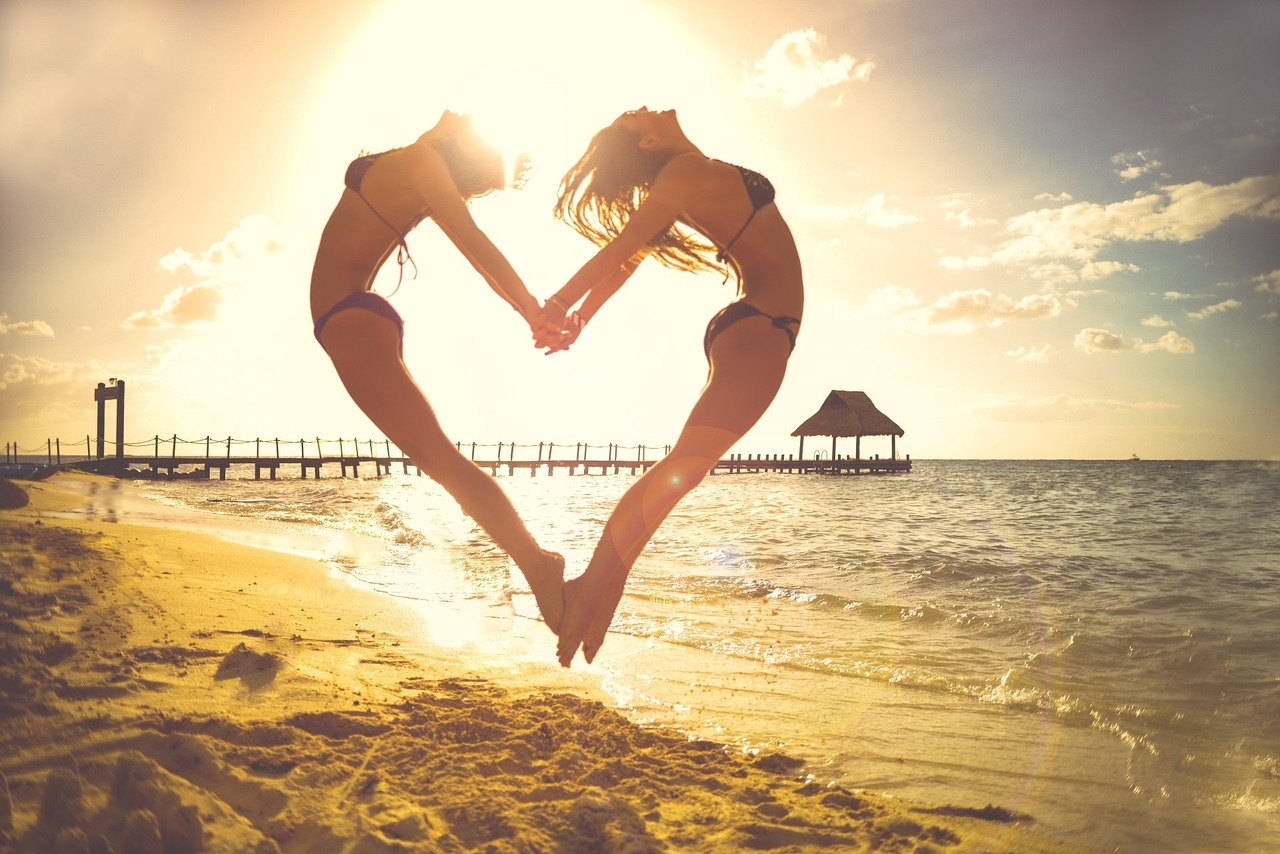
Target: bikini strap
723, 255
402, 248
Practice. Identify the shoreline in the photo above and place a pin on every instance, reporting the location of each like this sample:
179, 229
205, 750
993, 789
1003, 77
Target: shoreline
173, 689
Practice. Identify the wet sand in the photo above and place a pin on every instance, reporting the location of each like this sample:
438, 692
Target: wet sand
164, 690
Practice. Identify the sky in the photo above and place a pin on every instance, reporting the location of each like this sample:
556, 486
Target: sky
1029, 230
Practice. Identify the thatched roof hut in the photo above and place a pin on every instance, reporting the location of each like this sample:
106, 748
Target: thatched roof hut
849, 413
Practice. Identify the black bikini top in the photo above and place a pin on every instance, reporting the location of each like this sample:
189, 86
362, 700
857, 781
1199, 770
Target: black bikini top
352, 180
761, 192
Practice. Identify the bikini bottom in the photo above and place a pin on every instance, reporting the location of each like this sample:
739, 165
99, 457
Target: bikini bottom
735, 311
366, 300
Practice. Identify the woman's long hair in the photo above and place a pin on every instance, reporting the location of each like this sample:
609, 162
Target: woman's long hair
609, 182
475, 164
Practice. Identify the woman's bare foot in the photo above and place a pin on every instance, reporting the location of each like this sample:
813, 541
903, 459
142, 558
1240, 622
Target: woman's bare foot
589, 606
546, 580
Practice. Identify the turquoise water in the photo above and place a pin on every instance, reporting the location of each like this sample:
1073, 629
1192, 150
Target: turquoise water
1092, 644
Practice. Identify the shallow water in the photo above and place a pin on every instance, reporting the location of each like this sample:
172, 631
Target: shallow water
1089, 643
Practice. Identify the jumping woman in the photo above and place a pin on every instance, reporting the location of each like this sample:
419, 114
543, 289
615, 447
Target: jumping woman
385, 197
643, 189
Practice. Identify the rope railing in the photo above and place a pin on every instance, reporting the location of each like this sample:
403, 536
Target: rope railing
165, 456
58, 452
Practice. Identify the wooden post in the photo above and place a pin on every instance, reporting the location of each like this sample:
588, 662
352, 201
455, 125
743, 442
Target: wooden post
100, 395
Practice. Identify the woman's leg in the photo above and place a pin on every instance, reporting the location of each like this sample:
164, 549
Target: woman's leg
748, 361
365, 348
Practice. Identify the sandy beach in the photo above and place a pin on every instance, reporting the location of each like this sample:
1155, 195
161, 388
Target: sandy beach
162, 690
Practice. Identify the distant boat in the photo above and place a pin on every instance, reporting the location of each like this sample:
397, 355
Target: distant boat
26, 471
1133, 458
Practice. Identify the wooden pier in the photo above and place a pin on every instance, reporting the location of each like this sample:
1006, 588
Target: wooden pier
352, 458
170, 467
843, 413
185, 458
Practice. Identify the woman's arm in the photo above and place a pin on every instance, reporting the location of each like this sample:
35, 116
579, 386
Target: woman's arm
441, 197
599, 295
673, 190
558, 327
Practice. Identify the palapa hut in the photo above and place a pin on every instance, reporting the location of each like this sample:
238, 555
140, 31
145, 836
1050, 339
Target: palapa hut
849, 413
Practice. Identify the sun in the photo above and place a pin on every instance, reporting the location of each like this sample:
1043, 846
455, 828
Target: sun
538, 80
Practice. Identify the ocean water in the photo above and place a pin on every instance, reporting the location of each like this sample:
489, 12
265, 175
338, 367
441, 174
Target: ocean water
1093, 644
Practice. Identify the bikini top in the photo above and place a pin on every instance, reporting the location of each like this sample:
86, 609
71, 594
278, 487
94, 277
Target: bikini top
352, 180
760, 191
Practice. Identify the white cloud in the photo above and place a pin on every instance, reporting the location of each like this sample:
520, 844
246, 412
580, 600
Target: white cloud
1218, 308
1177, 295
254, 233
1268, 283
791, 70
1095, 270
1053, 242
24, 327
1062, 407
1134, 164
163, 352
217, 266
1036, 355
21, 370
184, 305
892, 300
1156, 321
1170, 342
878, 215
875, 212
962, 312
1093, 340
1052, 197
980, 307
973, 262
965, 219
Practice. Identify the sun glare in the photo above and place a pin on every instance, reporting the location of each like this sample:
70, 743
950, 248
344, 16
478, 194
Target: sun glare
538, 81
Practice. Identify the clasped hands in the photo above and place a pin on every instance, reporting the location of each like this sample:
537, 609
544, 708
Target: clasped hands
555, 328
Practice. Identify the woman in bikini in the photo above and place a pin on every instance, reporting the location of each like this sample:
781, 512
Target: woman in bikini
642, 188
386, 195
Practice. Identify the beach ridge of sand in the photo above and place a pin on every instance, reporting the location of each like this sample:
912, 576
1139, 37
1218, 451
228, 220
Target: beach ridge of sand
168, 692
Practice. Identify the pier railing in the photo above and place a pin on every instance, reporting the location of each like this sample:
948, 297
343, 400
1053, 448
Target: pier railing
168, 457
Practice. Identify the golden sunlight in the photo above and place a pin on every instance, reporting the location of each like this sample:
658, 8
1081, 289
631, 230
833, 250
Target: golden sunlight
537, 83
